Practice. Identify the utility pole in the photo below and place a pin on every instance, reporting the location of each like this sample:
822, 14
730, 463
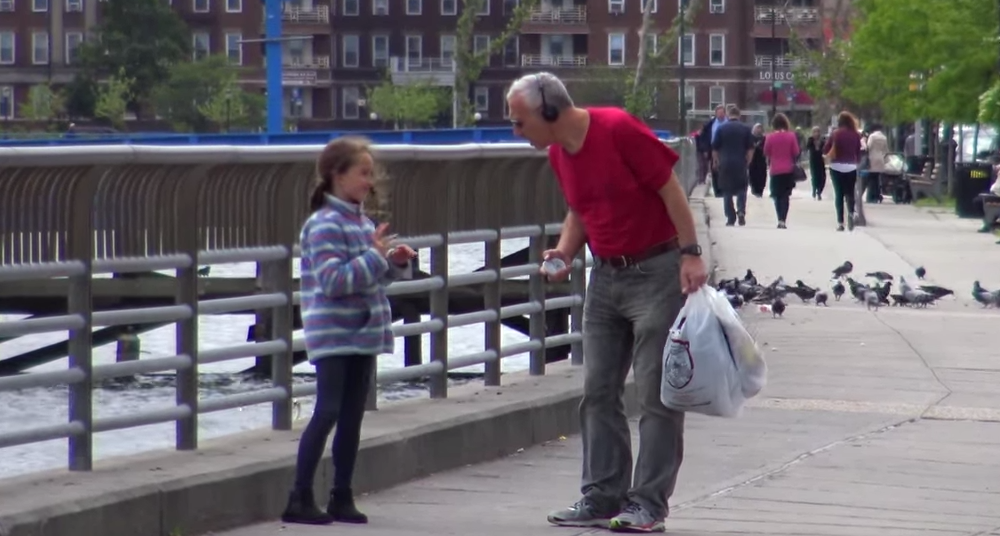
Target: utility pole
774, 85
682, 95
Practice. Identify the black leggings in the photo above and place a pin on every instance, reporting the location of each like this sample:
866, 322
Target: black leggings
843, 192
342, 384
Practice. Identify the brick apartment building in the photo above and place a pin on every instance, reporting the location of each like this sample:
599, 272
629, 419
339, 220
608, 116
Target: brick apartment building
726, 54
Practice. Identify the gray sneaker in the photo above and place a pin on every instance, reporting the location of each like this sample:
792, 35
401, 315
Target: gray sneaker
581, 514
635, 518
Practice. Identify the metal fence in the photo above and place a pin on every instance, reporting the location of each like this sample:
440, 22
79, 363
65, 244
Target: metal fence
68, 215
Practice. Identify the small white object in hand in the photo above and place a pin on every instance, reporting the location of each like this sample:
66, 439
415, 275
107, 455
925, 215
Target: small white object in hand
553, 265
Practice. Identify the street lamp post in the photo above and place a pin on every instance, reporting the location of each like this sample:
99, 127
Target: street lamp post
774, 85
682, 99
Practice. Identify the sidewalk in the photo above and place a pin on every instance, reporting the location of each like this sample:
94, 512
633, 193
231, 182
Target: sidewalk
871, 424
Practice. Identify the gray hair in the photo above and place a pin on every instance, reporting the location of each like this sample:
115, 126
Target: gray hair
530, 87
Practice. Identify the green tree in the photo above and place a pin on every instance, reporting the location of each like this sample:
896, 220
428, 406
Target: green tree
196, 95
44, 103
823, 70
113, 98
143, 38
645, 79
81, 96
407, 105
469, 63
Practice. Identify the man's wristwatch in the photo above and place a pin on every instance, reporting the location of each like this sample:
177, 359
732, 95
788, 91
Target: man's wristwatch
694, 250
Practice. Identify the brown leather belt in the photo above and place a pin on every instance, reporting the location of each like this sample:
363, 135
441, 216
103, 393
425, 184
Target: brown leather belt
624, 261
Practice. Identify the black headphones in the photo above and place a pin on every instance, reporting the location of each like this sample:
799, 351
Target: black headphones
549, 113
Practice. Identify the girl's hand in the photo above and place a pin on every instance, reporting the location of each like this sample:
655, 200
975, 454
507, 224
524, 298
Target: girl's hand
380, 241
400, 255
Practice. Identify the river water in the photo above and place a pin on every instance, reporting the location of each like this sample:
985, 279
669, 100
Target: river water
31, 408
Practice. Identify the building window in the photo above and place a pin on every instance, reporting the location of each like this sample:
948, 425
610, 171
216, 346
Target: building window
512, 52
40, 5
296, 53
480, 43
690, 95
414, 7
234, 6
616, 49
351, 8
414, 51
717, 6
6, 101
380, 51
683, 4
6, 48
651, 43
234, 49
349, 97
200, 45
653, 9
351, 45
482, 99
716, 97
200, 6
509, 6
380, 7
447, 49
73, 41
685, 52
40, 48
616, 6
485, 9
717, 49
74, 5
449, 7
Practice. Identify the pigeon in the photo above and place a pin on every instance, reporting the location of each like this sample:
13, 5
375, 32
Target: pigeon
983, 296
750, 278
920, 272
777, 308
204, 271
881, 276
872, 300
843, 270
821, 298
838, 290
803, 291
936, 291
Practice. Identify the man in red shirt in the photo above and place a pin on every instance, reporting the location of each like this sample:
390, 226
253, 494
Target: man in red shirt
627, 204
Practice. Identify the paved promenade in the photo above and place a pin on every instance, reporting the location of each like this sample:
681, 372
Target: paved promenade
872, 423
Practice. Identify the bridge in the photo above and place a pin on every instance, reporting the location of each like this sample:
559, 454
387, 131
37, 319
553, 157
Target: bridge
872, 423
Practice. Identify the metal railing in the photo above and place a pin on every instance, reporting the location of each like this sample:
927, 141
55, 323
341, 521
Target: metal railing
545, 60
555, 15
314, 15
406, 64
117, 210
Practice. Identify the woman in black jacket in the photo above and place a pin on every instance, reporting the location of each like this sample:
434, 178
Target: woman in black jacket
758, 165
817, 166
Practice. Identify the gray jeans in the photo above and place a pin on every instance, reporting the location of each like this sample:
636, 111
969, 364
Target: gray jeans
627, 317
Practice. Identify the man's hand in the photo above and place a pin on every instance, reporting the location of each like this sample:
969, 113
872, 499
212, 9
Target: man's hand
561, 275
693, 273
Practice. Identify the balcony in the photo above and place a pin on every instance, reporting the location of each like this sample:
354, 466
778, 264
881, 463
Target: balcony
545, 60
785, 62
552, 20
306, 21
436, 71
313, 63
781, 21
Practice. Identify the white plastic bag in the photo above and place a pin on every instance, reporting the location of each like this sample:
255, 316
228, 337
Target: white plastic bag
711, 364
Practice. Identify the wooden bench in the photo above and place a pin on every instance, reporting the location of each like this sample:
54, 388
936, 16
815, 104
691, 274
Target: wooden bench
925, 184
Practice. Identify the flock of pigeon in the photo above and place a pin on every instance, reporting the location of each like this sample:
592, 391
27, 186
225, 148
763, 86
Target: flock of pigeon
873, 295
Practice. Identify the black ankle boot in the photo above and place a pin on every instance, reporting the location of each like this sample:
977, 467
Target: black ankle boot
302, 509
341, 508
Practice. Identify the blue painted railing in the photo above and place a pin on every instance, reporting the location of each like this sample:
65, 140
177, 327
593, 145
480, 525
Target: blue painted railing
383, 137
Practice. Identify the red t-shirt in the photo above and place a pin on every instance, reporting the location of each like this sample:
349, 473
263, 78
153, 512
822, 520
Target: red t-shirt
612, 183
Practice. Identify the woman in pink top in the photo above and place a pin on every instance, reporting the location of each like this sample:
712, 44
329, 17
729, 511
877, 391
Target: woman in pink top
782, 151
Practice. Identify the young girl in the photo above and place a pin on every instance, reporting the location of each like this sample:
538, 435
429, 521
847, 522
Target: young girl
346, 265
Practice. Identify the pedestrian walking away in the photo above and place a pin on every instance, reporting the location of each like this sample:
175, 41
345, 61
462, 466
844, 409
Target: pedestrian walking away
782, 151
843, 148
346, 265
817, 166
758, 164
732, 151
628, 206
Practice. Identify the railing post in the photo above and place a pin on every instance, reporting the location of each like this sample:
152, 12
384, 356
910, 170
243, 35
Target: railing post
491, 302
439, 311
79, 302
536, 295
186, 331
277, 276
578, 287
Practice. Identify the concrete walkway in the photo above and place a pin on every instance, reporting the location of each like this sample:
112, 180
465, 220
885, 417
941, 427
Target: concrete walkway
872, 423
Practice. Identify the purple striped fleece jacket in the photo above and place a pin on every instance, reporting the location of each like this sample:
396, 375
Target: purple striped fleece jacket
345, 310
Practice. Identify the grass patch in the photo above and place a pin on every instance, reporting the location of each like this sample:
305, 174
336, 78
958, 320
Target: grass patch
944, 202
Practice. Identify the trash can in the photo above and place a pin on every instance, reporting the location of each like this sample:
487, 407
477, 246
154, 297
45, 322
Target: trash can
971, 179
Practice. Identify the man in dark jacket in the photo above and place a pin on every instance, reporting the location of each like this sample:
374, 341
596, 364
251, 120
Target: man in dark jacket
705, 140
732, 150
